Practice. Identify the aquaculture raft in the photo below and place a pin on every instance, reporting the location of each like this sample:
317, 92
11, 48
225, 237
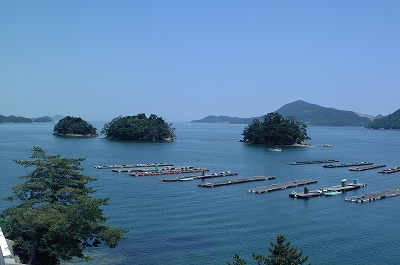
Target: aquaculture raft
176, 170
313, 162
282, 186
325, 191
367, 167
390, 170
378, 195
134, 165
204, 176
347, 165
234, 181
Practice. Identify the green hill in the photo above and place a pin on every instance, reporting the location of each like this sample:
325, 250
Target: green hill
392, 121
312, 114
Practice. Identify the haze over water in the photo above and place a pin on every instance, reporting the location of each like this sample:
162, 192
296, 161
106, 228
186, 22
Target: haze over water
181, 223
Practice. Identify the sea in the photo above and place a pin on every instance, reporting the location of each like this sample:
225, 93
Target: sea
172, 223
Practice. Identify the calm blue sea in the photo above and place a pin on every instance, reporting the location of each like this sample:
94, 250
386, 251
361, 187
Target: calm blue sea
181, 223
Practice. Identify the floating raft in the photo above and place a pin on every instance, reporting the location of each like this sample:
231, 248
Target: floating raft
182, 170
333, 190
133, 165
313, 162
367, 167
234, 181
158, 168
347, 165
390, 170
282, 186
378, 195
204, 176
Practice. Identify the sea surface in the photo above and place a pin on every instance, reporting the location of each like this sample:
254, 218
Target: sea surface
181, 223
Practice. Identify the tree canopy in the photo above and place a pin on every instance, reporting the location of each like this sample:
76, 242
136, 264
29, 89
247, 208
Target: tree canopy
280, 253
275, 129
55, 218
74, 126
139, 127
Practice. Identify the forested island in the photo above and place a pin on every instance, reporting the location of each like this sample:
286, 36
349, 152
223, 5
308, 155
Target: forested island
390, 122
275, 130
74, 127
139, 128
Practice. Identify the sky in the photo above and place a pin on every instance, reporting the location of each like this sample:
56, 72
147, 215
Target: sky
185, 60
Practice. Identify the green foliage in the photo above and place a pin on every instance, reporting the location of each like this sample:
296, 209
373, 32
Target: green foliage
275, 130
14, 119
138, 127
237, 260
281, 253
390, 122
55, 218
74, 126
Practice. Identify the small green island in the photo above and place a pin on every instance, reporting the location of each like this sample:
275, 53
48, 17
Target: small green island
276, 130
74, 127
139, 128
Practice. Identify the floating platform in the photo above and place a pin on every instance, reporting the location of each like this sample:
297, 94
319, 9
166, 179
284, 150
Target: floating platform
203, 176
134, 165
389, 170
178, 170
313, 162
329, 191
378, 195
282, 186
347, 165
234, 181
367, 167
152, 169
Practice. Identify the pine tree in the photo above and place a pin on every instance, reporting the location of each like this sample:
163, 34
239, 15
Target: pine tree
281, 253
55, 218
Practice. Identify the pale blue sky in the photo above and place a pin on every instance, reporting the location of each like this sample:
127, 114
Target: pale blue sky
184, 60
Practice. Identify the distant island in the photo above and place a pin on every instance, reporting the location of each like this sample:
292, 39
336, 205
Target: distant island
74, 127
43, 119
307, 113
139, 128
14, 119
19, 119
390, 122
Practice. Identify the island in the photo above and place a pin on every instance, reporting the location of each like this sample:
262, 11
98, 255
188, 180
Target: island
139, 128
275, 130
74, 127
43, 119
14, 119
307, 113
390, 122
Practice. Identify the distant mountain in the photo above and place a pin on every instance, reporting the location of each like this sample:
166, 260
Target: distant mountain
58, 117
392, 121
225, 119
309, 114
312, 114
